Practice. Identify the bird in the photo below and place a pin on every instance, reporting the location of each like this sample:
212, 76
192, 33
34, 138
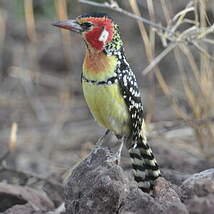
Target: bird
111, 91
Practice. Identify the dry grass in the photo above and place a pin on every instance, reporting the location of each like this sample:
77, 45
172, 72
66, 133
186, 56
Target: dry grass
198, 82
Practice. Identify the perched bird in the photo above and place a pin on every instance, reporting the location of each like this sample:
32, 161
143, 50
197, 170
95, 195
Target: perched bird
111, 91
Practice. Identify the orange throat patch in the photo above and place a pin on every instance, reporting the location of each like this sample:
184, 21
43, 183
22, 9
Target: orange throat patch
98, 62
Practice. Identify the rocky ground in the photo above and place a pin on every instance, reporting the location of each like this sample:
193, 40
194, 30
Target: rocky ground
98, 185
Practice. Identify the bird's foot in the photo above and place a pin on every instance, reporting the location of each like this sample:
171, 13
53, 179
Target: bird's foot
116, 156
100, 140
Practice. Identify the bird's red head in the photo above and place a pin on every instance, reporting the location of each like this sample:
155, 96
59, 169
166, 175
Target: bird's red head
99, 32
97, 29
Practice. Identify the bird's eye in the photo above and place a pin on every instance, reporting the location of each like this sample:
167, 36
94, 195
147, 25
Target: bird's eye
86, 26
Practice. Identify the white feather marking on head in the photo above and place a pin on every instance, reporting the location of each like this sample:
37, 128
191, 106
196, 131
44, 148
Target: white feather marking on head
104, 36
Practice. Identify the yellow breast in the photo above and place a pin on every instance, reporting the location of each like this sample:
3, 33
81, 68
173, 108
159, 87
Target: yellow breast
108, 107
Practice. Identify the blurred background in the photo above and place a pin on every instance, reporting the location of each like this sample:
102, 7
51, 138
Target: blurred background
45, 125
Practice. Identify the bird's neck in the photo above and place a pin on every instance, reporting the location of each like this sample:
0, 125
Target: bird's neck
98, 65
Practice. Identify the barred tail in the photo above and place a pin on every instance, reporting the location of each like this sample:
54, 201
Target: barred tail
144, 165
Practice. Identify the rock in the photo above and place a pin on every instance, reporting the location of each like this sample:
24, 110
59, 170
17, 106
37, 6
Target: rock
13, 195
199, 184
98, 185
23, 209
51, 186
168, 197
198, 205
174, 176
138, 202
55, 191
198, 192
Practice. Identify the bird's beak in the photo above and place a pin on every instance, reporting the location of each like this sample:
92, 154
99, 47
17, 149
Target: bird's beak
69, 24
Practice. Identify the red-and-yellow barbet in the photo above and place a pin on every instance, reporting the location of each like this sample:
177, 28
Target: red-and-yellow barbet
111, 91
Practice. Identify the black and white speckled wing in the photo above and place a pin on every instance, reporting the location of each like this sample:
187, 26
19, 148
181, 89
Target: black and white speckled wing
143, 162
131, 95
